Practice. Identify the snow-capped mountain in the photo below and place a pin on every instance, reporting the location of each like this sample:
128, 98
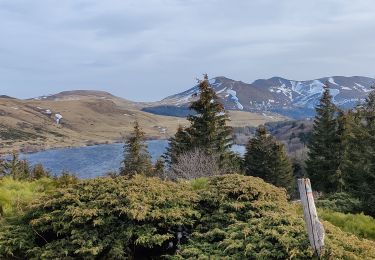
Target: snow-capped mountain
287, 97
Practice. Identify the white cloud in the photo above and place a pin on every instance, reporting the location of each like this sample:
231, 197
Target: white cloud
129, 46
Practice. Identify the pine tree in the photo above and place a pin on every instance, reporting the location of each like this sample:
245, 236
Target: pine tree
16, 168
266, 158
324, 146
137, 159
159, 168
178, 144
341, 144
208, 129
359, 164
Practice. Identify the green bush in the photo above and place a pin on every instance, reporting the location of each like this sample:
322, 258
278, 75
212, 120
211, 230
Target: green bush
199, 183
230, 216
357, 224
340, 202
66, 179
103, 218
245, 218
15, 195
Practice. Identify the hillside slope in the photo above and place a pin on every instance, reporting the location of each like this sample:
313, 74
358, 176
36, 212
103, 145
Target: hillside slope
89, 117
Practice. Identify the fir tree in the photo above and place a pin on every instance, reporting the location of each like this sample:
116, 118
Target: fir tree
266, 158
324, 155
341, 144
159, 168
178, 144
16, 168
137, 159
359, 164
208, 129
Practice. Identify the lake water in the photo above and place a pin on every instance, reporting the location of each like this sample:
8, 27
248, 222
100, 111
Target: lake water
93, 161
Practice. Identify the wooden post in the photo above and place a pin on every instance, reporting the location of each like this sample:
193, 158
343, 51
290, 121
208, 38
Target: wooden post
315, 229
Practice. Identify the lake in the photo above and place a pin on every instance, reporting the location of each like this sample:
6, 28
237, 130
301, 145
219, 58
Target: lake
93, 161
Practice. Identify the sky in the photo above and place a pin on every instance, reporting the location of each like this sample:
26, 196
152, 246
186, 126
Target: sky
147, 50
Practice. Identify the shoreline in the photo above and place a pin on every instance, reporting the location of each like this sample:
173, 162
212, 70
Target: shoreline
21, 149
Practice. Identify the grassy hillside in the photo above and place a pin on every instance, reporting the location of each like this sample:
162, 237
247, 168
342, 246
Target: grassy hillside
358, 224
88, 118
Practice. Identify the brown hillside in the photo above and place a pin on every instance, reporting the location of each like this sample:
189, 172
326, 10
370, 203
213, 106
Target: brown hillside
89, 117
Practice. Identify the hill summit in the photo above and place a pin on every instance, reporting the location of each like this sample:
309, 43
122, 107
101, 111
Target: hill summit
76, 95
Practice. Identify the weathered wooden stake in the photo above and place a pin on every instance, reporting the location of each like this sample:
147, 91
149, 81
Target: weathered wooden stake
315, 229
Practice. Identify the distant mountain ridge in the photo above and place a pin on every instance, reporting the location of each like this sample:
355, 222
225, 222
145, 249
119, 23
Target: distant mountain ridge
296, 99
5, 96
75, 95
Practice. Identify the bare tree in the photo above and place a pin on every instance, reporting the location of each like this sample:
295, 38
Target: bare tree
194, 164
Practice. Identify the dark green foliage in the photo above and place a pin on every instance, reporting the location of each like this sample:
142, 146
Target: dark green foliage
358, 168
340, 202
159, 168
180, 143
208, 128
266, 158
232, 163
304, 137
20, 169
223, 217
137, 159
16, 168
325, 154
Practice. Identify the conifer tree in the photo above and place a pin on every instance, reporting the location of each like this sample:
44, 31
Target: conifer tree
16, 168
359, 164
137, 159
208, 129
159, 168
342, 133
266, 158
178, 144
324, 155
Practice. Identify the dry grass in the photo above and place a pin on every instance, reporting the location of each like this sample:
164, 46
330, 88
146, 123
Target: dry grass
87, 120
242, 119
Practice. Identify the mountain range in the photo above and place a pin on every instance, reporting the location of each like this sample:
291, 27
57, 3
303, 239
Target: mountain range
295, 99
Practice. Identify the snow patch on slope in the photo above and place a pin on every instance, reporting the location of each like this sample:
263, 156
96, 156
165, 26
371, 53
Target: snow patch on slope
283, 89
332, 81
220, 91
316, 87
363, 88
233, 96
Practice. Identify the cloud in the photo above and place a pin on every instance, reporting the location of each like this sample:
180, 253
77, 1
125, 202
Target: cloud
132, 47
